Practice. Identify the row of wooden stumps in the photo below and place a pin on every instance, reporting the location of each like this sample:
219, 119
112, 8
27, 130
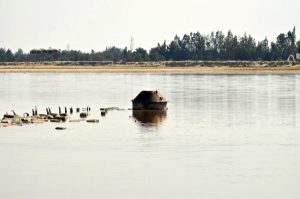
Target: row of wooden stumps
49, 116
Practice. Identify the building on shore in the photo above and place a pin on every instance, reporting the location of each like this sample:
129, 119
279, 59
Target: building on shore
43, 51
298, 56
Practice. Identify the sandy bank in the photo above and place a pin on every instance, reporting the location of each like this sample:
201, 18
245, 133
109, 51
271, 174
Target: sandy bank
149, 69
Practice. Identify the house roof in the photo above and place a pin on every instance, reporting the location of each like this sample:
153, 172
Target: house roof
149, 96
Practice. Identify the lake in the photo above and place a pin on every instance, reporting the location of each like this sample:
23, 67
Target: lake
223, 136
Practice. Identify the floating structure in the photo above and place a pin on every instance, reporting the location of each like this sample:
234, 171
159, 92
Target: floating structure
149, 100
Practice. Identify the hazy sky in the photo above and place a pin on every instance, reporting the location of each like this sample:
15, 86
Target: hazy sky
95, 24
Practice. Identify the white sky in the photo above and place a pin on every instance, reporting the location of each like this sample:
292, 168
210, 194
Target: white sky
95, 24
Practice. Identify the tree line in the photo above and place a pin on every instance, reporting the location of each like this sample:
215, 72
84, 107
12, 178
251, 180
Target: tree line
194, 46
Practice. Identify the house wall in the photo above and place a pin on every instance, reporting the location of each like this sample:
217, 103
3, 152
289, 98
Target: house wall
149, 106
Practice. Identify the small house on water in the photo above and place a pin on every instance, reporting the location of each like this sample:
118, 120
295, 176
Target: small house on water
149, 100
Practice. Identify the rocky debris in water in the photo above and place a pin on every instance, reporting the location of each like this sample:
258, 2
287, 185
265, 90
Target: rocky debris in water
8, 116
56, 121
93, 121
88, 109
105, 110
84, 115
60, 128
74, 121
35, 118
3, 125
85, 112
6, 122
63, 118
103, 113
112, 109
60, 117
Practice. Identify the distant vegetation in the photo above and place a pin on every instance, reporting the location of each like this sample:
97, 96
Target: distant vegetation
194, 46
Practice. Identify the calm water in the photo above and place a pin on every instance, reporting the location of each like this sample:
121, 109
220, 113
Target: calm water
224, 136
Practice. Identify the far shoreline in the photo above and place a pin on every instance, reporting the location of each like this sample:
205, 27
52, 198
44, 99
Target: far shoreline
152, 69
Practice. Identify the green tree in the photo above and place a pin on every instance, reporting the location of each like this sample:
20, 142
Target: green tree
231, 46
199, 45
188, 48
125, 54
263, 50
163, 50
286, 44
140, 54
275, 51
217, 45
174, 49
156, 55
19, 55
298, 46
2, 55
113, 54
292, 41
9, 56
194, 46
247, 48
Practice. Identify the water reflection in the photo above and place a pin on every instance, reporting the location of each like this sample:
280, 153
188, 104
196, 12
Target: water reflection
218, 127
149, 118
